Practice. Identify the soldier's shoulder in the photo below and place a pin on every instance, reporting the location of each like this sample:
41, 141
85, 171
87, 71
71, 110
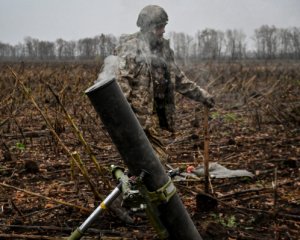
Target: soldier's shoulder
132, 36
127, 43
128, 37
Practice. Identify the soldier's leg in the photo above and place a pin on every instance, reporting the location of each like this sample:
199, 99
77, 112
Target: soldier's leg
154, 136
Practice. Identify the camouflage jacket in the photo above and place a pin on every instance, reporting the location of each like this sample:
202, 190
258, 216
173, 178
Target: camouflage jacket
135, 80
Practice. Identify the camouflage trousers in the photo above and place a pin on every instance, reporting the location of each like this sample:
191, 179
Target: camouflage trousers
155, 138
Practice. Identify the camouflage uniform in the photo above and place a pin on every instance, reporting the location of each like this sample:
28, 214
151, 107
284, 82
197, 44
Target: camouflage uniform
149, 77
141, 73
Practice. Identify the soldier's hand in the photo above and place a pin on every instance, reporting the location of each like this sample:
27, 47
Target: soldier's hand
209, 102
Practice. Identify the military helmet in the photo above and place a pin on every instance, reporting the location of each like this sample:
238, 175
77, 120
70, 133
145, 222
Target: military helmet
152, 16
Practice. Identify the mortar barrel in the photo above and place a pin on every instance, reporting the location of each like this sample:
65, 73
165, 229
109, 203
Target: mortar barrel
134, 147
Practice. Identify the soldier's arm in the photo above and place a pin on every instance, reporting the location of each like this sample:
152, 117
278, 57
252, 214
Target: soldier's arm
190, 89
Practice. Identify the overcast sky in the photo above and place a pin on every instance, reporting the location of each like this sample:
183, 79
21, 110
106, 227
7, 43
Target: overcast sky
75, 19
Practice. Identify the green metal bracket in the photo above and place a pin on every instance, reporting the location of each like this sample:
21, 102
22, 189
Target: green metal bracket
163, 194
137, 197
117, 171
77, 234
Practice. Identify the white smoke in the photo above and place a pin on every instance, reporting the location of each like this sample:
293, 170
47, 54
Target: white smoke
109, 68
113, 63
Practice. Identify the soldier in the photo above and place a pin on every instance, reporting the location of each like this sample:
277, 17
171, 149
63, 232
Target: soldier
149, 77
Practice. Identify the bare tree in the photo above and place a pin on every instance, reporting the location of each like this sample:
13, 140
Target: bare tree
102, 46
236, 46
208, 44
267, 41
4, 51
110, 44
221, 42
60, 43
86, 48
69, 51
20, 52
295, 35
29, 47
35, 48
46, 50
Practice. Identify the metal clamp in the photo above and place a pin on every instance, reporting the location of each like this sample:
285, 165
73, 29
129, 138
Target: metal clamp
163, 194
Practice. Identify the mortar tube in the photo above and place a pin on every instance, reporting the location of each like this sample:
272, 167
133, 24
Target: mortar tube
134, 147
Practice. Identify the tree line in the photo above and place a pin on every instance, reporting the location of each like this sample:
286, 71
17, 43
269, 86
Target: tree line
209, 44
32, 49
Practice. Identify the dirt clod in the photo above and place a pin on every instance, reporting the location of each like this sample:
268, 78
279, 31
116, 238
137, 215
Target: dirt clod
31, 166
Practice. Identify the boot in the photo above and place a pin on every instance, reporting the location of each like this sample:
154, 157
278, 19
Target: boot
122, 213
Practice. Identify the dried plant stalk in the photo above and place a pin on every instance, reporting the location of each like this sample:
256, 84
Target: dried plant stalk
44, 104
76, 155
72, 169
12, 203
94, 190
84, 143
206, 146
46, 198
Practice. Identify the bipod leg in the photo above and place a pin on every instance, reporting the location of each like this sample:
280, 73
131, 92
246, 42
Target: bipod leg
78, 233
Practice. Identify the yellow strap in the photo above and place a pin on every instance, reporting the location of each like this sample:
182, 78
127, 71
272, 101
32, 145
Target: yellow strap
103, 206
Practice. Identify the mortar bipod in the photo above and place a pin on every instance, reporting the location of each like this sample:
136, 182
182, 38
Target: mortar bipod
78, 233
136, 197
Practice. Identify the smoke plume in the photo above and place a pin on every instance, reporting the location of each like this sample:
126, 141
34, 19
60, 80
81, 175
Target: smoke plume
109, 68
